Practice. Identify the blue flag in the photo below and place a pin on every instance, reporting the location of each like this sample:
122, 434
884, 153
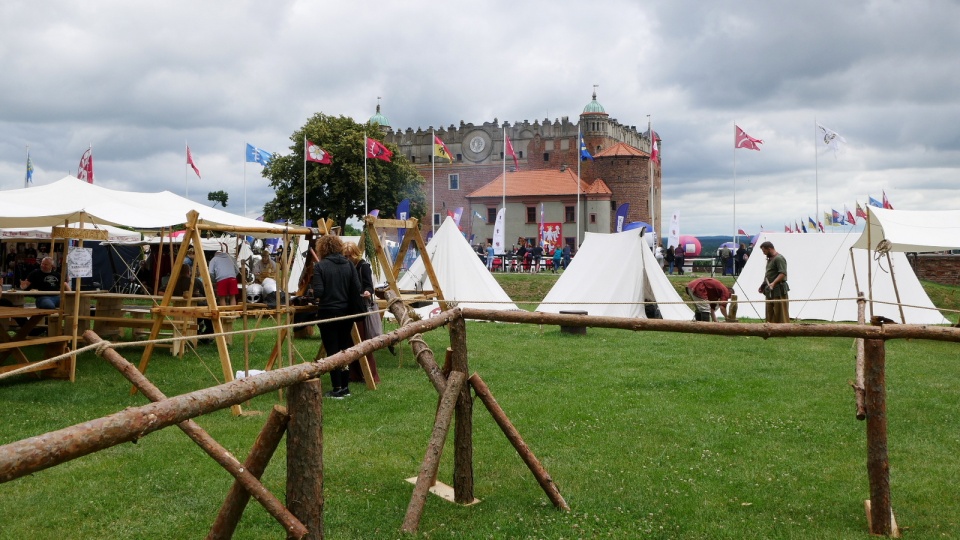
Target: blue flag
874, 202
29, 169
256, 155
583, 151
621, 218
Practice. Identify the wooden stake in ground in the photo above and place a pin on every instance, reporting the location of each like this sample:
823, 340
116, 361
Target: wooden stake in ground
431, 461
305, 455
463, 428
256, 464
541, 474
206, 442
878, 463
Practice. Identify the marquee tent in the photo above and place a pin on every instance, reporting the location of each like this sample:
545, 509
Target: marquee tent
462, 276
34, 234
610, 276
819, 267
906, 230
70, 199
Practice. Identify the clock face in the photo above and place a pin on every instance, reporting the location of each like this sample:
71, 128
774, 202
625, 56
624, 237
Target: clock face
477, 144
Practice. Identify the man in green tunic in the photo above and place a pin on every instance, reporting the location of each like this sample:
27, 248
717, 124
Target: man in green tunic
775, 287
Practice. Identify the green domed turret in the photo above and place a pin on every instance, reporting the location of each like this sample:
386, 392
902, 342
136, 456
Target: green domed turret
380, 119
594, 106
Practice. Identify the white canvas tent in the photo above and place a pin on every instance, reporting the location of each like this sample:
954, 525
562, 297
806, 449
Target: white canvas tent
610, 276
70, 199
906, 230
462, 276
819, 267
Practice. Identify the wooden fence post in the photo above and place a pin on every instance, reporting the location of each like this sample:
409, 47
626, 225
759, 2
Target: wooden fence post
305, 456
463, 428
256, 463
880, 517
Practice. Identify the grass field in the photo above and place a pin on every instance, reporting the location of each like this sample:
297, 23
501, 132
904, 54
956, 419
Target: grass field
647, 435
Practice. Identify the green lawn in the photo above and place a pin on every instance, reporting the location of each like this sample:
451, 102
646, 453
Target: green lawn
647, 435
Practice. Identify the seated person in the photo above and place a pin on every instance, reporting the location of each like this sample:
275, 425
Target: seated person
264, 267
45, 278
708, 294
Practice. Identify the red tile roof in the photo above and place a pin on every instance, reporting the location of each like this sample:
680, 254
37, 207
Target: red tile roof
621, 150
540, 182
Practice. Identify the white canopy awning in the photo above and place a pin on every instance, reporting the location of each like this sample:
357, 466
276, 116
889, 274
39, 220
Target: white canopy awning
908, 230
27, 234
70, 199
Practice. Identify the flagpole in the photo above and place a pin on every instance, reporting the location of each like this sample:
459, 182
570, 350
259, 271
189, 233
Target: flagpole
579, 161
186, 185
816, 169
26, 177
653, 140
304, 178
245, 180
433, 174
735, 231
366, 210
505, 183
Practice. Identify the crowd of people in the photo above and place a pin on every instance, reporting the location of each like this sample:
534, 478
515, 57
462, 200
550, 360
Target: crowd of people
528, 256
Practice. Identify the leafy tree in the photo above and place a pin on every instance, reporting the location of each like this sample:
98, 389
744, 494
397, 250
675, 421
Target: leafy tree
218, 197
336, 191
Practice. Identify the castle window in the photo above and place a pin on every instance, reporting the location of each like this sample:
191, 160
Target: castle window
531, 214
491, 215
520, 154
459, 157
546, 156
436, 218
413, 159
593, 219
454, 181
569, 215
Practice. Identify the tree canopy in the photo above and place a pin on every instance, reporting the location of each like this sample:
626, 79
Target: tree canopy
218, 197
336, 190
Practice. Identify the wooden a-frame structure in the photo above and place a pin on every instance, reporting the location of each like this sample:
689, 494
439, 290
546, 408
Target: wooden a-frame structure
211, 311
391, 269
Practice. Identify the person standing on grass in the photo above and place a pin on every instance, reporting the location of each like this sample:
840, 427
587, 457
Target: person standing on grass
335, 288
537, 256
352, 252
566, 256
741, 259
491, 255
670, 257
678, 255
708, 294
223, 272
557, 259
774, 287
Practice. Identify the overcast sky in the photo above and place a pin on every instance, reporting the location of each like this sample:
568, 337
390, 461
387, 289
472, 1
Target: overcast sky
136, 80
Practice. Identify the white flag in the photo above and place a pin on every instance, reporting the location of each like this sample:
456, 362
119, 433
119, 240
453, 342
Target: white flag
673, 239
832, 139
499, 232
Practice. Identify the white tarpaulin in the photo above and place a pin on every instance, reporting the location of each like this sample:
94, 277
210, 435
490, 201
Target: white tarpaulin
70, 199
819, 267
610, 276
908, 230
462, 276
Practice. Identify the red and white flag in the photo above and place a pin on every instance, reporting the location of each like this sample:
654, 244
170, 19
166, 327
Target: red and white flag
85, 171
886, 202
376, 150
742, 140
850, 218
743, 232
860, 211
655, 152
314, 153
192, 163
509, 151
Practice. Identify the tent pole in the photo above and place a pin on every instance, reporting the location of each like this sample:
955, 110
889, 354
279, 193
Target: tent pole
896, 290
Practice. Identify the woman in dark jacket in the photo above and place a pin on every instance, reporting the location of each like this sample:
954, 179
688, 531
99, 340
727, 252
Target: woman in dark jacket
352, 252
336, 290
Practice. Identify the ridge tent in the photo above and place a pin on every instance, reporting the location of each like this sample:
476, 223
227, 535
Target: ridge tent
611, 276
463, 278
819, 267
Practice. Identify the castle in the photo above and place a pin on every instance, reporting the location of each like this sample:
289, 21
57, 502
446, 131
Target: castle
619, 173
